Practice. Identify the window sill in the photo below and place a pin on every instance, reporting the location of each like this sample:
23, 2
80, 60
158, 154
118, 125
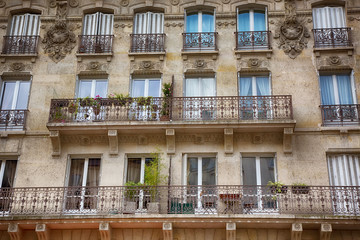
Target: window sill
267, 52
213, 53
32, 57
133, 55
91, 55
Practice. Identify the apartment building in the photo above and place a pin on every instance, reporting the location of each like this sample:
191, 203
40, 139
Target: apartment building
154, 119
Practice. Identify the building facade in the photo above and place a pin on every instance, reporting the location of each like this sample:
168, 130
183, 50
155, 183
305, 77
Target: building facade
248, 107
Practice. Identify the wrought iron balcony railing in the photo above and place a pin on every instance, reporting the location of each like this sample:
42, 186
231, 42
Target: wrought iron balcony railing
253, 40
332, 37
216, 200
147, 43
176, 109
12, 119
20, 44
199, 41
348, 114
95, 43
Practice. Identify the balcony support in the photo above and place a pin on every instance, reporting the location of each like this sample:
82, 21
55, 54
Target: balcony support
105, 231
42, 231
167, 231
56, 143
296, 231
113, 142
325, 231
15, 231
170, 141
229, 140
230, 231
288, 139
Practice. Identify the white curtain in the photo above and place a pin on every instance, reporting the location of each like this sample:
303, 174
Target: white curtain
327, 90
262, 86
245, 86
344, 170
149, 23
329, 17
344, 87
25, 25
98, 24
9, 174
200, 87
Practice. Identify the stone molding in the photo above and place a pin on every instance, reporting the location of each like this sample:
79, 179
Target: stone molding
42, 231
296, 231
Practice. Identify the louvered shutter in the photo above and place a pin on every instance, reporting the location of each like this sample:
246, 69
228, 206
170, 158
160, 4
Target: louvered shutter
328, 17
149, 23
344, 170
90, 26
25, 25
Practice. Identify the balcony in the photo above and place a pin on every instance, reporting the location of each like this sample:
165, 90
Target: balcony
218, 200
340, 115
20, 45
332, 37
12, 120
205, 41
184, 109
141, 43
95, 44
253, 40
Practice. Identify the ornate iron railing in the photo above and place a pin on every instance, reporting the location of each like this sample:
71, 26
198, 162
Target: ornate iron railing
176, 109
253, 40
332, 37
20, 44
234, 199
12, 119
199, 41
147, 43
348, 114
95, 43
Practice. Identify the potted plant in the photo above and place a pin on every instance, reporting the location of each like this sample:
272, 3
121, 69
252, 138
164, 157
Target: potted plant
59, 116
131, 191
300, 188
165, 112
86, 102
120, 99
73, 106
277, 187
96, 105
154, 177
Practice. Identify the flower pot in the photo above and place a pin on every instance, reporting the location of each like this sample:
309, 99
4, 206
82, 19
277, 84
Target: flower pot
276, 190
153, 207
300, 189
71, 109
96, 110
129, 207
165, 118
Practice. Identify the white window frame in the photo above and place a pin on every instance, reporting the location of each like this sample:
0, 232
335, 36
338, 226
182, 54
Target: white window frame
251, 17
2, 169
199, 14
15, 93
146, 88
93, 85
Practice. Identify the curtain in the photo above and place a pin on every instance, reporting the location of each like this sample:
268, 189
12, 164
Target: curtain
9, 174
208, 87
149, 23
259, 21
192, 23
101, 88
327, 90
133, 170
245, 86
208, 22
344, 88
76, 172
344, 170
98, 24
192, 87
244, 21
329, 17
25, 25
192, 171
262, 86
93, 172
208, 171
138, 88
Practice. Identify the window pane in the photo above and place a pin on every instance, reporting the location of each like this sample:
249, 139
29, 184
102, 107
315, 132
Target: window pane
249, 171
23, 95
207, 22
8, 95
9, 173
208, 86
154, 88
267, 170
327, 90
245, 86
244, 21
192, 171
208, 171
101, 88
192, 23
133, 170
76, 172
93, 172
85, 88
262, 86
344, 88
259, 21
138, 88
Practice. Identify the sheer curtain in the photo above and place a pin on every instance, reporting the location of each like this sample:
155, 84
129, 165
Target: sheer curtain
133, 170
328, 17
207, 22
76, 172
245, 86
327, 90
9, 174
207, 87
192, 23
262, 86
93, 173
344, 87
244, 21
259, 21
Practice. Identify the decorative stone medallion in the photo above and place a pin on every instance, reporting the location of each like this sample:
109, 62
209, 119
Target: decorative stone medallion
253, 62
124, 3
174, 2
17, 67
334, 60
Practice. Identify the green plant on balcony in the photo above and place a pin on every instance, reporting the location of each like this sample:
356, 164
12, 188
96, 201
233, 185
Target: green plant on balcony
144, 101
121, 99
94, 103
59, 116
277, 187
165, 112
73, 106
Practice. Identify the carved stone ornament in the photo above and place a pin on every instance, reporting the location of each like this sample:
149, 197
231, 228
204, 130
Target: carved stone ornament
174, 2
73, 3
2, 4
94, 66
292, 34
253, 62
124, 3
334, 60
173, 24
200, 63
59, 41
17, 67
52, 3
226, 1
146, 65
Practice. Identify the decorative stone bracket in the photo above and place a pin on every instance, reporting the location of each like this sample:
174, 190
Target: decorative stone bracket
229, 140
15, 231
42, 232
325, 231
296, 231
167, 231
113, 142
230, 231
170, 141
105, 231
288, 140
56, 143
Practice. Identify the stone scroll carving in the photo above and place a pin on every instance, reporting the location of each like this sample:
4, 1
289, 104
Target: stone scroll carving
292, 34
59, 40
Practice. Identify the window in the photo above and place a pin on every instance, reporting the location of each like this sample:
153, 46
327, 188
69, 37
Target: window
92, 88
148, 33
257, 171
344, 169
338, 99
7, 178
23, 34
200, 170
200, 31
198, 101
252, 29
14, 104
83, 180
97, 33
254, 101
149, 87
330, 27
